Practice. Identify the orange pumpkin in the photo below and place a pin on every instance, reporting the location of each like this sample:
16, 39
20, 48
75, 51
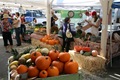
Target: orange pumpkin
33, 72
71, 67
53, 54
56, 41
87, 49
47, 41
34, 55
43, 74
77, 48
59, 65
94, 53
43, 39
51, 42
22, 69
53, 71
43, 62
64, 56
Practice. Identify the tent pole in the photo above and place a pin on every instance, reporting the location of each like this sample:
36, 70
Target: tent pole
104, 28
48, 26
111, 32
106, 6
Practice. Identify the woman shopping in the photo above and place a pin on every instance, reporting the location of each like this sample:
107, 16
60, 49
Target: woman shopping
67, 34
6, 33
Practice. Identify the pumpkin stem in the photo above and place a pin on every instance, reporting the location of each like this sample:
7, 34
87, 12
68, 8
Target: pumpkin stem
46, 58
43, 72
71, 60
35, 54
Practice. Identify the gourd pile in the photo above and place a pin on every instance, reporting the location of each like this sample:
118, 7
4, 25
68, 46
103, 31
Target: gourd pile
49, 40
86, 51
41, 63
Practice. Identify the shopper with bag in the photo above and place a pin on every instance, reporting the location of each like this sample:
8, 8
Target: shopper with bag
67, 34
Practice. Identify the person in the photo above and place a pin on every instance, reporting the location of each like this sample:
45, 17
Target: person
23, 28
94, 24
6, 27
53, 19
88, 18
66, 40
17, 24
34, 22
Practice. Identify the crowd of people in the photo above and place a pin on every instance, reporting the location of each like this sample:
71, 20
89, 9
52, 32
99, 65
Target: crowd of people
16, 22
10, 23
91, 27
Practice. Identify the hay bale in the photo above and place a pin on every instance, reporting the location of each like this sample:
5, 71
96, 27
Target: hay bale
89, 63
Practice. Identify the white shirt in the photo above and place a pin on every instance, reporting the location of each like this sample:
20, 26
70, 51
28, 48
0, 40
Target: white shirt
89, 18
94, 30
19, 23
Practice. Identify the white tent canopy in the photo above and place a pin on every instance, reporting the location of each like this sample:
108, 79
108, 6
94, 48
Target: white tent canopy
39, 4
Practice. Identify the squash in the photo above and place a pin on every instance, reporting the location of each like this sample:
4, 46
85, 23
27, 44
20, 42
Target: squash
64, 56
22, 69
53, 54
71, 67
44, 51
53, 71
34, 55
32, 72
59, 65
43, 62
94, 53
87, 53
43, 74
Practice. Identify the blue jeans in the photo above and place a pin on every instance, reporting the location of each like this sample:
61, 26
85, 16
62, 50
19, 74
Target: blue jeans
17, 32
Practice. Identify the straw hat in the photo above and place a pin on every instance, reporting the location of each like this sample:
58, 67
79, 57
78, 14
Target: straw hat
6, 16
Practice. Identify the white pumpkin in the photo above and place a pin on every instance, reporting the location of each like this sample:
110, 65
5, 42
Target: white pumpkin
44, 51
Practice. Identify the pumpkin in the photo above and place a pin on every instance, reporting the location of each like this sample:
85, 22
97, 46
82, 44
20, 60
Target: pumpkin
77, 48
51, 42
33, 72
22, 69
44, 51
43, 39
43, 74
56, 41
64, 56
71, 67
34, 55
59, 65
53, 54
94, 53
87, 49
43, 62
53, 71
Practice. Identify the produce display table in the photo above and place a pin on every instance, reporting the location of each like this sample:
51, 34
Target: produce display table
88, 63
35, 40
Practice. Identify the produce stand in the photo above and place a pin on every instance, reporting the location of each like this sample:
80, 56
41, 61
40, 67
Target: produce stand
18, 58
35, 40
